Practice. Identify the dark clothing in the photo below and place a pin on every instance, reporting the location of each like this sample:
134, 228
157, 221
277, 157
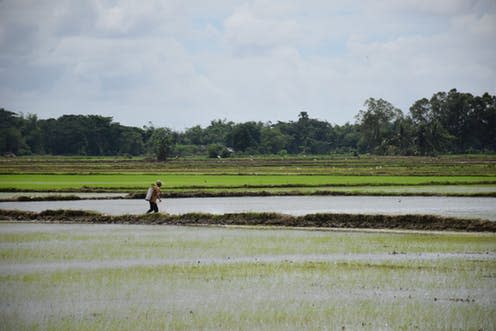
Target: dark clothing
153, 207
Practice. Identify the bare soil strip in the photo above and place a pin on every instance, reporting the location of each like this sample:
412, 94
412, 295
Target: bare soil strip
325, 220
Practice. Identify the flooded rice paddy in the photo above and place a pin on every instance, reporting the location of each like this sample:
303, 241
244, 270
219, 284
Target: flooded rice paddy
463, 207
130, 277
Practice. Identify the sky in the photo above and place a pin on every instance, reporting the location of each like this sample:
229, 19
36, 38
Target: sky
181, 63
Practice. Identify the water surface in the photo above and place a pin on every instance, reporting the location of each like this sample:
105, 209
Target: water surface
463, 207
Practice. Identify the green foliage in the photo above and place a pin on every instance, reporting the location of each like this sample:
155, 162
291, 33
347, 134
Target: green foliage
130, 141
218, 151
11, 138
448, 122
378, 126
161, 143
218, 132
32, 133
246, 136
272, 140
187, 150
455, 122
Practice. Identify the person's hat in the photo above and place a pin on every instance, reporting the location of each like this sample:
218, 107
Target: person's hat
159, 183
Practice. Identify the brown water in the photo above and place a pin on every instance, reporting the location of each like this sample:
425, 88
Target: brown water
463, 207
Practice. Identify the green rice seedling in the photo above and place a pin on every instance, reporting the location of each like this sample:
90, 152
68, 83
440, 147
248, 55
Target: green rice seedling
126, 277
58, 182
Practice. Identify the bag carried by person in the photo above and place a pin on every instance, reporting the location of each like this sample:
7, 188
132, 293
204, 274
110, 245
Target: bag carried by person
148, 195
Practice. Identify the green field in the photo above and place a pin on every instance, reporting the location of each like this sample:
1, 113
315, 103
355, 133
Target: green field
133, 277
456, 165
48, 182
273, 175
127, 277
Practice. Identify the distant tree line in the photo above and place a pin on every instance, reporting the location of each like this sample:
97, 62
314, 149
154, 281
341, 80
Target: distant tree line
448, 122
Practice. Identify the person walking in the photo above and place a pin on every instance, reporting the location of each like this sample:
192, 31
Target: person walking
153, 195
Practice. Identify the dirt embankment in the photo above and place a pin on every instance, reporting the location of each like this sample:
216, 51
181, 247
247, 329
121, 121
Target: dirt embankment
350, 221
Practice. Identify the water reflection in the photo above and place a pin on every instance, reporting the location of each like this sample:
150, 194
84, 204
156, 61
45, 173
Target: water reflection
294, 205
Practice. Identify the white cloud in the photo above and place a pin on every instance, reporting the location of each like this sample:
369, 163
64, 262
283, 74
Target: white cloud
259, 27
182, 63
429, 7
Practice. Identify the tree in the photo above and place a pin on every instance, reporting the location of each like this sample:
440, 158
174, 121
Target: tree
485, 121
447, 122
303, 132
67, 135
218, 151
161, 143
11, 141
246, 136
33, 134
218, 132
431, 138
320, 137
377, 125
99, 135
194, 135
290, 131
402, 139
456, 113
307, 135
130, 141
272, 140
11, 138
346, 137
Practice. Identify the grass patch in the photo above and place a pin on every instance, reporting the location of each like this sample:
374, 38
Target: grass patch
457, 165
42, 182
259, 176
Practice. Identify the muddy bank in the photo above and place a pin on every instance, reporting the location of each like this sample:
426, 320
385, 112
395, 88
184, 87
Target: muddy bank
70, 197
406, 222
